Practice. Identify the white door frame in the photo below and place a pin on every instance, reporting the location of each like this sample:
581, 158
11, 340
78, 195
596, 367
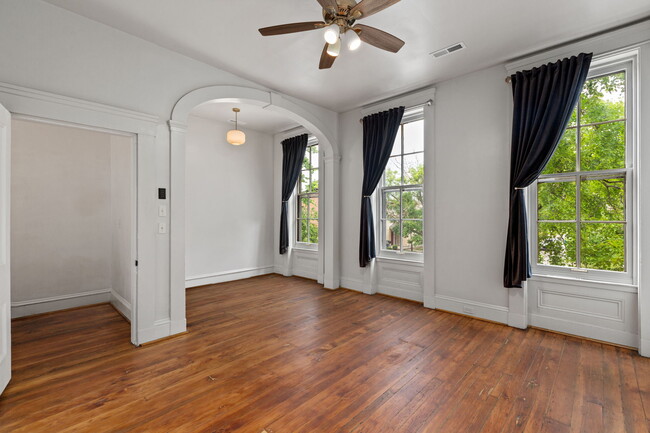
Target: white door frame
328, 248
5, 248
44, 106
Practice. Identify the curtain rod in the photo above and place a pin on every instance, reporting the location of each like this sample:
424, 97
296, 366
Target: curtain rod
425, 104
508, 79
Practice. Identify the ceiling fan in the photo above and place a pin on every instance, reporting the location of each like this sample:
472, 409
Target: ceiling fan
339, 17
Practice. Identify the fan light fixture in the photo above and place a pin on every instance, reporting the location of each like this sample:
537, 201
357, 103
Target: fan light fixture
335, 48
354, 41
332, 33
235, 136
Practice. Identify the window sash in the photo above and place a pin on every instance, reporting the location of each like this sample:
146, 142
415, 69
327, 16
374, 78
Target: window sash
628, 173
309, 194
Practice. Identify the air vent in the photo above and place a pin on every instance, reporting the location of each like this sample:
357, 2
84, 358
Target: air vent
448, 50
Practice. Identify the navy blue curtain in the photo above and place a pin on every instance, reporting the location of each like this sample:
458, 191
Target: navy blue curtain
544, 99
293, 153
379, 132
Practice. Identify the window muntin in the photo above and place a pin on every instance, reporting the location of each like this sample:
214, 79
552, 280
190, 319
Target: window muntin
307, 198
401, 195
584, 204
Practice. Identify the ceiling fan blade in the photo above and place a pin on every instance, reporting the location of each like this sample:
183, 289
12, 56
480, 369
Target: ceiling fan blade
329, 4
326, 61
379, 38
366, 8
291, 28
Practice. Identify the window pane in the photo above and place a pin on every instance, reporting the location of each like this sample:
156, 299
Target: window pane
313, 207
313, 187
414, 137
313, 231
303, 207
603, 99
391, 205
414, 169
574, 116
556, 244
564, 157
412, 205
397, 144
413, 240
314, 156
603, 246
556, 201
303, 233
603, 199
304, 181
393, 173
602, 147
392, 238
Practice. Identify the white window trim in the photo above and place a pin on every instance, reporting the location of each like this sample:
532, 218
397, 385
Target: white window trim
382, 253
602, 65
307, 246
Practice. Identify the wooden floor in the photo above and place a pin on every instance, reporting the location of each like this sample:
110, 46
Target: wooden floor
283, 355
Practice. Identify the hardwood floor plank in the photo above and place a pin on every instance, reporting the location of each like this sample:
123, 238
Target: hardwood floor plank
281, 354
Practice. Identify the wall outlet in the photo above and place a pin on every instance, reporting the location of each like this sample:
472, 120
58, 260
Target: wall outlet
468, 310
162, 228
162, 210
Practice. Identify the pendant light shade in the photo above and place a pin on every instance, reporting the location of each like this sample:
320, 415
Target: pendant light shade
332, 34
354, 41
334, 49
235, 136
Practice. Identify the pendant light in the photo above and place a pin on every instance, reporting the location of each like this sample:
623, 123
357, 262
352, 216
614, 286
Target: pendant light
235, 136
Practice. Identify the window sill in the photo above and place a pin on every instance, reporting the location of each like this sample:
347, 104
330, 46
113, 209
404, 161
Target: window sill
582, 282
399, 259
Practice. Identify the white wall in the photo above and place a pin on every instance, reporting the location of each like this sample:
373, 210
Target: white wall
122, 217
229, 204
61, 210
47, 48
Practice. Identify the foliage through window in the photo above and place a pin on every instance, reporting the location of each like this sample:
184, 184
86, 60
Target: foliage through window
402, 192
307, 214
582, 202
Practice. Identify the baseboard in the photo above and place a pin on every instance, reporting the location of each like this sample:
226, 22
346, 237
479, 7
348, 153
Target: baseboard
222, 277
411, 295
352, 284
121, 305
161, 329
494, 313
585, 330
55, 303
305, 274
517, 321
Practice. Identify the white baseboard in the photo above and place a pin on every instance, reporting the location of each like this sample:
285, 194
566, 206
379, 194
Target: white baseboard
352, 284
412, 295
161, 328
495, 313
517, 320
55, 303
585, 330
222, 277
121, 304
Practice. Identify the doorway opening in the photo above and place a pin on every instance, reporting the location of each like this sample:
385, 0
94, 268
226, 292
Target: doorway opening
74, 218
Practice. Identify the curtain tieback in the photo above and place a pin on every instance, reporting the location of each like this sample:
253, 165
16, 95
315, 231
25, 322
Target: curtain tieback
517, 189
366, 196
285, 201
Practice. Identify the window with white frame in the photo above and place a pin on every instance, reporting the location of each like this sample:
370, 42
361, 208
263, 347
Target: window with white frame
307, 197
584, 201
401, 195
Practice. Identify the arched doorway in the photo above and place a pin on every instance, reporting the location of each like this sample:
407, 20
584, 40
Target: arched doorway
324, 130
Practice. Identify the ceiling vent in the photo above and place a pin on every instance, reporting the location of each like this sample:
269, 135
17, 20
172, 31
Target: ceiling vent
448, 50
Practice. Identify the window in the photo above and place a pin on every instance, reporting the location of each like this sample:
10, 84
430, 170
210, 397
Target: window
307, 213
402, 194
583, 197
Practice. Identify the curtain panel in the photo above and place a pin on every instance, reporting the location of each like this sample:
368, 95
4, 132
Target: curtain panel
379, 132
544, 99
293, 154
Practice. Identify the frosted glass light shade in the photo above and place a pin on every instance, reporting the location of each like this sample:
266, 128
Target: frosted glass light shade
331, 34
354, 41
334, 49
236, 137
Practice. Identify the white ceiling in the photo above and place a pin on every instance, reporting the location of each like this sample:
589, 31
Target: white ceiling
251, 117
224, 34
